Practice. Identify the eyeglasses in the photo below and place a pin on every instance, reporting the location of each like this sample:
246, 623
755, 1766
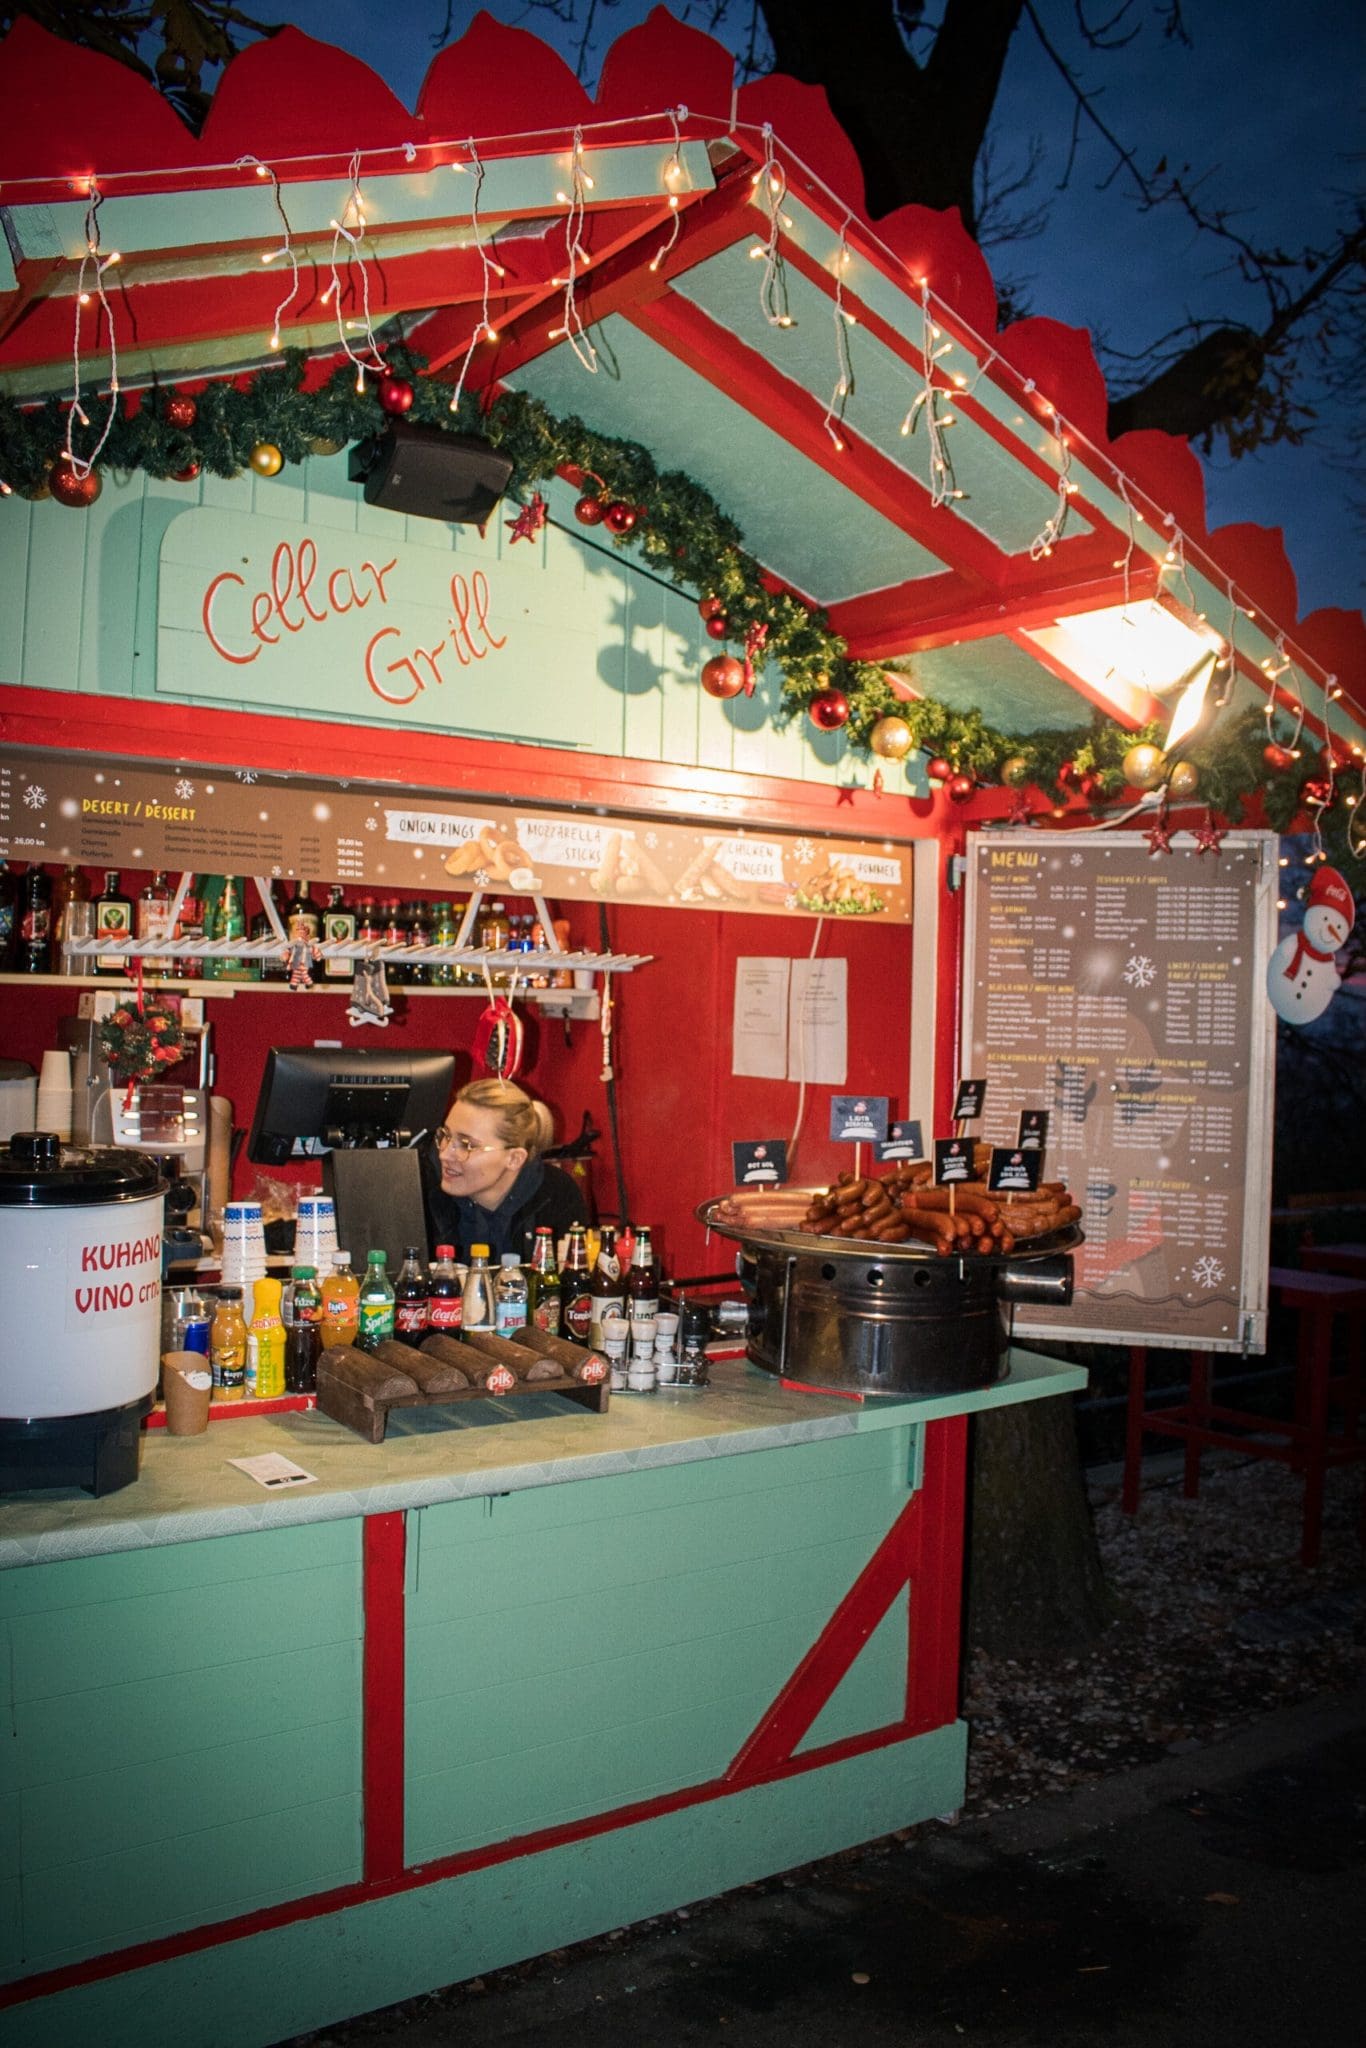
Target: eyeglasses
457, 1141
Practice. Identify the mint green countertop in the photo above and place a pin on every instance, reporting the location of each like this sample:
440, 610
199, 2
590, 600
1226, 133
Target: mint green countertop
187, 1489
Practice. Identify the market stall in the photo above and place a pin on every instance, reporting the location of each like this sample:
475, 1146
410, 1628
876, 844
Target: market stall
708, 701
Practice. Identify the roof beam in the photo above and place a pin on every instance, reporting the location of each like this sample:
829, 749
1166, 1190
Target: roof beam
940, 611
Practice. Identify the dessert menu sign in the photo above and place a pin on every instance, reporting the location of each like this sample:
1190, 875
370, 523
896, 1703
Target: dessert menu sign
1123, 992
95, 812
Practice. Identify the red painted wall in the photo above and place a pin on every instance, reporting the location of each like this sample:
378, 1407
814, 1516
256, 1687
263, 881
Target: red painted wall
679, 1106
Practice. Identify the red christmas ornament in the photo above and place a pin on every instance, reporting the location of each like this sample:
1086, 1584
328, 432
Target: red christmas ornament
1159, 834
711, 608
180, 411
69, 487
1208, 835
1090, 785
589, 510
939, 770
717, 626
829, 711
186, 475
959, 788
395, 395
529, 520
1067, 775
1277, 757
723, 676
1313, 792
621, 517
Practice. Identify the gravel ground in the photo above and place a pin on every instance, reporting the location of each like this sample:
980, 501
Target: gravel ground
1218, 1623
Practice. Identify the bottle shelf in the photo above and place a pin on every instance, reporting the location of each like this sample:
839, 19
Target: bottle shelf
557, 1002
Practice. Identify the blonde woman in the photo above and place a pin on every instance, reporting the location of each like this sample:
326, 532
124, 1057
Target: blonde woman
486, 1182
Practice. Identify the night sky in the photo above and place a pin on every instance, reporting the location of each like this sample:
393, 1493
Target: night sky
1273, 115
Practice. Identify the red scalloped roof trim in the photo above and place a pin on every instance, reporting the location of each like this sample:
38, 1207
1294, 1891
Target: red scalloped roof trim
310, 97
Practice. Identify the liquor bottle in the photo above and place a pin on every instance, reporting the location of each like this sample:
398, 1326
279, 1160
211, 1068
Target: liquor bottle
368, 928
538, 977
477, 1311
418, 920
272, 966
607, 1286
339, 926
410, 1299
154, 919
189, 924
509, 1296
73, 917
393, 933
642, 1282
445, 1294
113, 921
266, 1343
228, 1346
441, 974
9, 896
544, 1283
341, 1297
226, 918
305, 1340
301, 904
494, 938
33, 943
376, 1304
576, 1288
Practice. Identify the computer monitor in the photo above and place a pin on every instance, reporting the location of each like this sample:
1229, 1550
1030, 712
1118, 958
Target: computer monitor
316, 1099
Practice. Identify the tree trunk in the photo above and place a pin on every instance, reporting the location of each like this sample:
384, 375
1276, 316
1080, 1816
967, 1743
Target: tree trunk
1035, 1584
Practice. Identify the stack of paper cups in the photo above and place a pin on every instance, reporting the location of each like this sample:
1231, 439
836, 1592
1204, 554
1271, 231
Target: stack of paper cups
54, 1094
315, 1233
244, 1244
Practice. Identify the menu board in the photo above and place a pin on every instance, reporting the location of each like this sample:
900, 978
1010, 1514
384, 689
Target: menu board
95, 812
1124, 992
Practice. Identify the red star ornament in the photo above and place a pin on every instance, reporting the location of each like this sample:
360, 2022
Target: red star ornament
529, 520
1159, 834
1019, 813
1208, 835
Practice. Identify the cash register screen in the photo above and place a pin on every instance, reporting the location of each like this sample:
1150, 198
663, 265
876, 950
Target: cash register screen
316, 1099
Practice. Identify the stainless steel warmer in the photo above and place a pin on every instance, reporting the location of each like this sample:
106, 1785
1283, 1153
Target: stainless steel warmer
862, 1317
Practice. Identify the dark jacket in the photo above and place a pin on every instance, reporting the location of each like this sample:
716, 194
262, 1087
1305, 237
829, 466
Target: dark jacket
540, 1194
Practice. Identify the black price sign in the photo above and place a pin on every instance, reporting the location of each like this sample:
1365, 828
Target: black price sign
968, 1106
952, 1161
761, 1163
1033, 1130
903, 1141
1013, 1171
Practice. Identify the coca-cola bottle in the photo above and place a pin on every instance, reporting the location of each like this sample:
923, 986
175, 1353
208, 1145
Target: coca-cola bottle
444, 1293
411, 1314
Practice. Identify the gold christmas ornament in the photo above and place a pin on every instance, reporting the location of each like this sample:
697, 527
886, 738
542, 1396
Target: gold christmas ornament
325, 447
1184, 779
1015, 771
1143, 767
266, 459
891, 739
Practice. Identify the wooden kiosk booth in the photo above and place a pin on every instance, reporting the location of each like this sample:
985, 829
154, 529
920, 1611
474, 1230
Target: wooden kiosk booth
505, 1681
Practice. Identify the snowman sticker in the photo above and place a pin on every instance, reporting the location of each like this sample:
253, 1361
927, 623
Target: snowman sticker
1301, 978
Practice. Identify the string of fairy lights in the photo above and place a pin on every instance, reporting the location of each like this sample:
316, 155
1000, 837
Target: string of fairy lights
935, 387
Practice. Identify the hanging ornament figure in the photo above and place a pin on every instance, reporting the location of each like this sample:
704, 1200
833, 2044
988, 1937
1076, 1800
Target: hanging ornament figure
1301, 977
499, 1041
369, 1002
301, 952
529, 520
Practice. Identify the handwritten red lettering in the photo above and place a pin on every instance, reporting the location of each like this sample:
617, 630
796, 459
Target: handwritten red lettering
282, 586
238, 660
393, 667
379, 576
308, 569
261, 609
481, 611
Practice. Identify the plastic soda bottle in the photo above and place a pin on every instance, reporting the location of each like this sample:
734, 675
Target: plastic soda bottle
376, 1305
304, 1340
341, 1295
228, 1346
410, 1299
477, 1307
445, 1294
266, 1343
509, 1296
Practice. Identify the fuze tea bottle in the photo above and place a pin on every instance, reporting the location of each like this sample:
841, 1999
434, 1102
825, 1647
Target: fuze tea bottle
266, 1343
304, 1343
376, 1318
341, 1303
544, 1289
445, 1294
228, 1346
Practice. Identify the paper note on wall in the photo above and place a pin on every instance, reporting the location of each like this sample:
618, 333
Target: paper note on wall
759, 1032
818, 1022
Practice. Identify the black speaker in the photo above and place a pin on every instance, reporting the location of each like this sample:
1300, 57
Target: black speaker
431, 474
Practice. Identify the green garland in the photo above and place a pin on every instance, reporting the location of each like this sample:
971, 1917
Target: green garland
683, 536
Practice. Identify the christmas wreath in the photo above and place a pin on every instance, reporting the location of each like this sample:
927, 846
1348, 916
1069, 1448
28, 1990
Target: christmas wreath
141, 1044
